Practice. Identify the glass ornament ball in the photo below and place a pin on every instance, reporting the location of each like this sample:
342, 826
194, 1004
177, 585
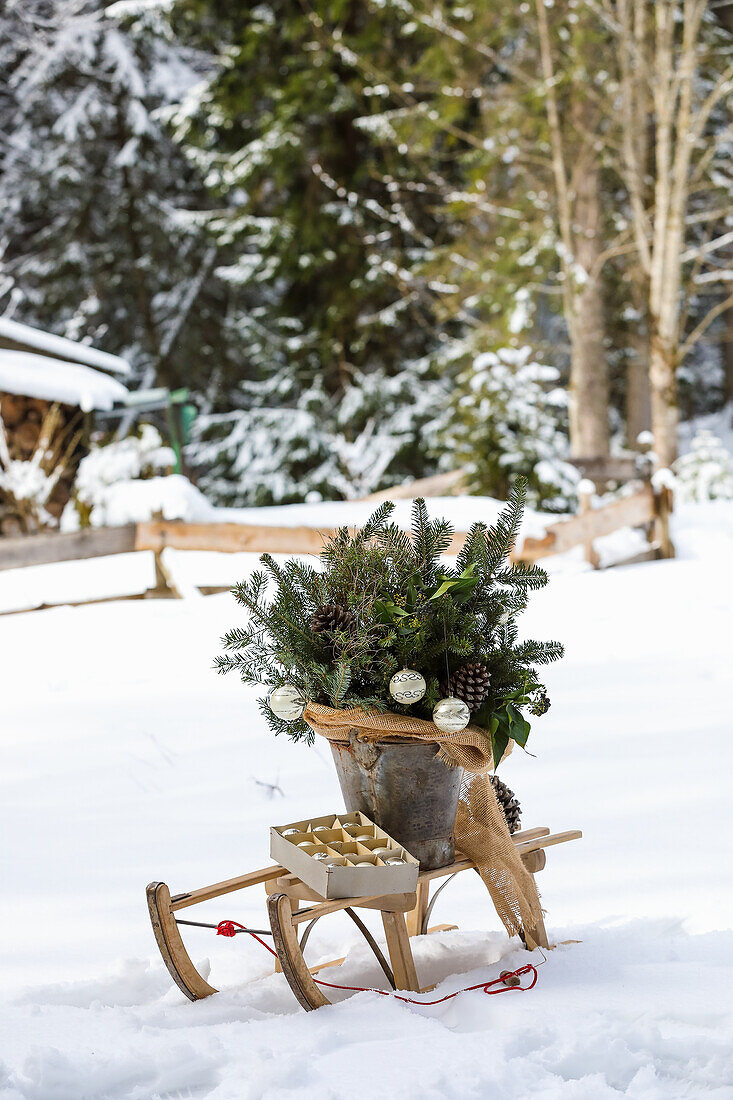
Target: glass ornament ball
451, 715
407, 686
287, 702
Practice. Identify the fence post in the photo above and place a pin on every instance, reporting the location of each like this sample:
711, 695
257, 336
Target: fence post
663, 504
586, 490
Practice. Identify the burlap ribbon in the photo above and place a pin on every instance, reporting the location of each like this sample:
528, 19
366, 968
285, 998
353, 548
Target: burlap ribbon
481, 831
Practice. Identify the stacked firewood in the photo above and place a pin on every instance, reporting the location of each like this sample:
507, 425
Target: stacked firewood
25, 419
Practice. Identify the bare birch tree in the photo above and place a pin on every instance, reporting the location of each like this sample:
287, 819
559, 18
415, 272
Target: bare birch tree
672, 72
513, 65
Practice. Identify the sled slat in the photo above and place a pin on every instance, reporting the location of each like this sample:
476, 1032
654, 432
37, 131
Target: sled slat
530, 834
396, 903
460, 864
228, 886
549, 841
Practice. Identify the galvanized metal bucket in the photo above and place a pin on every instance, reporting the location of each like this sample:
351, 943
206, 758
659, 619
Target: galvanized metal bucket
402, 786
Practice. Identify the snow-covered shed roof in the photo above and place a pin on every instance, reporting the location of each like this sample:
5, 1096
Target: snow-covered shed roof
50, 379
21, 337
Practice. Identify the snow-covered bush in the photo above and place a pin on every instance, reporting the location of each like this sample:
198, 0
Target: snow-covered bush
705, 472
261, 456
383, 430
129, 481
389, 426
510, 416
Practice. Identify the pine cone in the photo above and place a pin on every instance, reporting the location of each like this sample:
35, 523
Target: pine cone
330, 618
470, 683
508, 802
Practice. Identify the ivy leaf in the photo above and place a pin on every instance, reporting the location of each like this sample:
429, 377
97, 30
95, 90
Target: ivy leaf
459, 587
519, 727
499, 742
387, 611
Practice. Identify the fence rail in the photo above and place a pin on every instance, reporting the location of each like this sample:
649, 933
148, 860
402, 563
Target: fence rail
645, 508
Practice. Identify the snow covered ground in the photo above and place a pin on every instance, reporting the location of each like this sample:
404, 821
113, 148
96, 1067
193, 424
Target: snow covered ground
125, 759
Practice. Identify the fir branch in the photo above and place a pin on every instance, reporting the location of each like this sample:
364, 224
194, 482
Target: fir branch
377, 520
472, 548
523, 575
500, 538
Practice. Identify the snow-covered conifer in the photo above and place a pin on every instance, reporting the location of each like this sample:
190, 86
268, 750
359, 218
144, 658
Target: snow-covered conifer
101, 240
706, 471
510, 414
328, 225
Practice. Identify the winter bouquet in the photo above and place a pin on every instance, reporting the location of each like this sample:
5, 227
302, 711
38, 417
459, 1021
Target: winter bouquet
384, 624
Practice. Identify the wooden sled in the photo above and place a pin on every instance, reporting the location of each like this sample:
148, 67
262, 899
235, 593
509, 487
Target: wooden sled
403, 916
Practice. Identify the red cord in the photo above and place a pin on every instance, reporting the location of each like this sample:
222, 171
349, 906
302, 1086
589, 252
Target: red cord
227, 928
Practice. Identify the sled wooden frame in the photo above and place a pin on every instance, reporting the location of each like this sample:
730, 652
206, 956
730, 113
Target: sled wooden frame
403, 916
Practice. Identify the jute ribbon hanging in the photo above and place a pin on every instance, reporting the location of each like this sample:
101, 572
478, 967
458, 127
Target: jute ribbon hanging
481, 831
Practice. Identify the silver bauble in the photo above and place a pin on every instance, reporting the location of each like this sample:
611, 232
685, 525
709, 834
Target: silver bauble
407, 686
287, 702
451, 715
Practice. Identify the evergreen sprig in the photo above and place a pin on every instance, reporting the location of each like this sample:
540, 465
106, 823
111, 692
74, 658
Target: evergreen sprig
408, 608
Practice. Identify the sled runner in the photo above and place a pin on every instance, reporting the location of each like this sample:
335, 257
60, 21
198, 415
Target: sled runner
403, 916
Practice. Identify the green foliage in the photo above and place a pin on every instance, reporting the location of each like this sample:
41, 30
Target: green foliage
409, 610
322, 224
509, 418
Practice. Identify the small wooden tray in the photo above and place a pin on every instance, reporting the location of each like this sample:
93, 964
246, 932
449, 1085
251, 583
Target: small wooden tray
351, 868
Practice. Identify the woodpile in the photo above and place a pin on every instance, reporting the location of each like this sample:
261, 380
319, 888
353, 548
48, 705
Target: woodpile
23, 418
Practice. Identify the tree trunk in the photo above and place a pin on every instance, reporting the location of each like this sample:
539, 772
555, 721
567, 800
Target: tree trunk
728, 354
589, 430
662, 376
638, 396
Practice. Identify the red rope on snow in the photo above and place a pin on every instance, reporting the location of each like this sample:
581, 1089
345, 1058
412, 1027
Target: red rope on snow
228, 928
529, 968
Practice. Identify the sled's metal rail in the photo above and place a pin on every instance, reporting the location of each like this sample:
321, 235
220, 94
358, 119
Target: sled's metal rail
403, 916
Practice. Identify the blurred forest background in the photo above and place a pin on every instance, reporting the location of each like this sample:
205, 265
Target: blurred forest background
381, 238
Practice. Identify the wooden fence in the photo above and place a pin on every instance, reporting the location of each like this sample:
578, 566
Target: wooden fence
645, 508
